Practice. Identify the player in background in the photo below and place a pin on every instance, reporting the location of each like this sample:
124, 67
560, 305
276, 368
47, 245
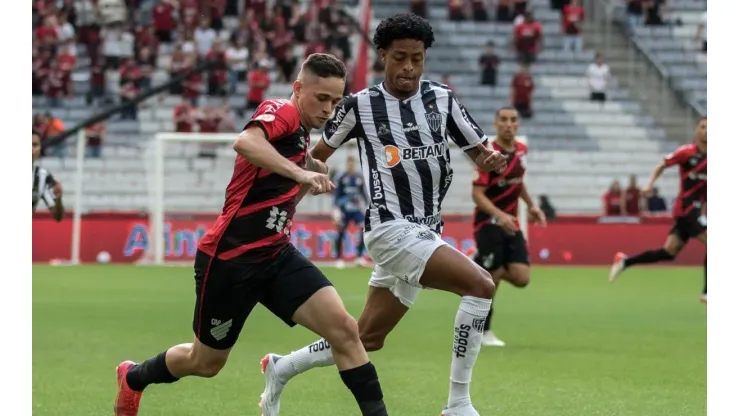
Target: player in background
689, 210
349, 202
401, 127
246, 257
45, 187
502, 249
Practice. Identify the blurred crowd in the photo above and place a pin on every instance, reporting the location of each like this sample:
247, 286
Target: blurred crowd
632, 201
127, 45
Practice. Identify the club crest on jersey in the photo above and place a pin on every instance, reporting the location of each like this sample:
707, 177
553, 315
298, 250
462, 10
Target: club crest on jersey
394, 155
434, 120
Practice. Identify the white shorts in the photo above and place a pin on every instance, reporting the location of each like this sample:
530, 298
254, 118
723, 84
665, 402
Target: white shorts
400, 250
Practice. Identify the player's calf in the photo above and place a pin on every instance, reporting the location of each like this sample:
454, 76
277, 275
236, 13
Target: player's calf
517, 275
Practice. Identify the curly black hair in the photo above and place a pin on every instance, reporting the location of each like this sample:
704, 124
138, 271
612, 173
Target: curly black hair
403, 26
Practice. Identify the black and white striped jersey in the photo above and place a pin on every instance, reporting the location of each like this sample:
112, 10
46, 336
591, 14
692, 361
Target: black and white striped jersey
403, 148
43, 183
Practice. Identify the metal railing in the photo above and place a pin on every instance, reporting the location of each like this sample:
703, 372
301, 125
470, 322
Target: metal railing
648, 77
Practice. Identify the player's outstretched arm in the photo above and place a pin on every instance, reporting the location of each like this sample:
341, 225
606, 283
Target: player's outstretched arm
532, 208
253, 146
657, 172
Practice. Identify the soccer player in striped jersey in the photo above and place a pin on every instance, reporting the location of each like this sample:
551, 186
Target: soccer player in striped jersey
247, 258
45, 187
689, 210
502, 249
401, 127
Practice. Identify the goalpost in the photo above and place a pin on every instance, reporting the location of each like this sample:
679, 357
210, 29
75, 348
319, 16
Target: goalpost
157, 163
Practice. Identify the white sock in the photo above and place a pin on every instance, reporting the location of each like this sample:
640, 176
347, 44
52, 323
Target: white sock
471, 316
311, 356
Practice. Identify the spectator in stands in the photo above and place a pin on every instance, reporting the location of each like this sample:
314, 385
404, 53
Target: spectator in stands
118, 44
67, 58
191, 86
488, 64
46, 35
97, 91
216, 10
208, 119
95, 135
633, 203
528, 39
505, 11
237, 60
419, 8
598, 76
520, 7
634, 15
189, 15
39, 72
54, 86
65, 30
204, 37
218, 73
147, 64
87, 22
573, 16
456, 9
378, 71
177, 65
145, 37
259, 82
654, 10
613, 200
183, 118
480, 11
558, 4
547, 208
227, 117
701, 32
522, 89
163, 20
282, 51
127, 92
48, 127
655, 203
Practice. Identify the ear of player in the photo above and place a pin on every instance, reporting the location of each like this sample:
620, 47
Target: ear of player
489, 160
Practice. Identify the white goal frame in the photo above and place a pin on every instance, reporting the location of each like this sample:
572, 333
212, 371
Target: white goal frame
156, 250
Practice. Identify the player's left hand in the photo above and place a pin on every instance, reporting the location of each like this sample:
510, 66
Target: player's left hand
536, 215
490, 160
57, 190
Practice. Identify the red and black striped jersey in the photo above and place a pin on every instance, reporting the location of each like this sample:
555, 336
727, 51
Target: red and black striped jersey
692, 164
504, 189
257, 215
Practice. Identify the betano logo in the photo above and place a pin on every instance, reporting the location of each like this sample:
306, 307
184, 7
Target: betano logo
394, 155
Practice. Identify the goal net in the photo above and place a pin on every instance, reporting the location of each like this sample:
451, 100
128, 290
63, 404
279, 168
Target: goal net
188, 174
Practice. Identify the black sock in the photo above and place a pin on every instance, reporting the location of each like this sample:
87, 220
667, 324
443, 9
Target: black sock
363, 382
151, 371
340, 240
650, 256
487, 324
704, 292
360, 246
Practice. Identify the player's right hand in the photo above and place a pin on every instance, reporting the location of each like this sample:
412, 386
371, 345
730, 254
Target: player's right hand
318, 182
508, 223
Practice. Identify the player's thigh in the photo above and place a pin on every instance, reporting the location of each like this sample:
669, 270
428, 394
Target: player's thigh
388, 300
293, 280
489, 240
226, 292
517, 260
449, 270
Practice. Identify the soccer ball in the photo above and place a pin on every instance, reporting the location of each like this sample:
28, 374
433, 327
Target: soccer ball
103, 257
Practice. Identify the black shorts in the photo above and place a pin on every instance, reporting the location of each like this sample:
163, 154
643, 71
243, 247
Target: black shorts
227, 291
598, 96
689, 226
496, 248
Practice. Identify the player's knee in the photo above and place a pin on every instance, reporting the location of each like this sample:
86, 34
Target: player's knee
482, 285
344, 333
519, 278
372, 341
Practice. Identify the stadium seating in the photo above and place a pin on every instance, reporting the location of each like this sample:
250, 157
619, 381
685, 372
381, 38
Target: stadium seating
577, 147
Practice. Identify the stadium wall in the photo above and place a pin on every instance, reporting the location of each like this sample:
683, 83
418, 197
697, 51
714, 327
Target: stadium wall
572, 240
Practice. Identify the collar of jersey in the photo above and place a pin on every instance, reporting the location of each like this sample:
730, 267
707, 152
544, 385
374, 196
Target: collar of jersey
408, 100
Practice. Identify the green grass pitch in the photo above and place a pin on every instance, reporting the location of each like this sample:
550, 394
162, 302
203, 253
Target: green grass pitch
576, 346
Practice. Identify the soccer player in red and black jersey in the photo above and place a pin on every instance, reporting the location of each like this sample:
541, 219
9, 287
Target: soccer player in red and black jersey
689, 210
246, 257
502, 249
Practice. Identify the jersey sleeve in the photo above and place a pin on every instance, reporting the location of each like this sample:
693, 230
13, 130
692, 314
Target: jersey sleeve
482, 178
681, 155
276, 118
462, 128
341, 127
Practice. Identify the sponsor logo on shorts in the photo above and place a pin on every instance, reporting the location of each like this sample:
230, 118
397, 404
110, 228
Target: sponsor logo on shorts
220, 329
394, 155
426, 235
460, 344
